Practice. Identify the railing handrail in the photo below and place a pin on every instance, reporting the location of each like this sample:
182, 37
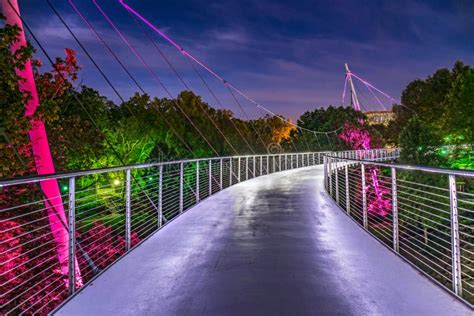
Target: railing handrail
63, 175
437, 170
426, 221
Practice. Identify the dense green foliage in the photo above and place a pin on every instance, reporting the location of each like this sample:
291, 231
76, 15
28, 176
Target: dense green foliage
444, 106
419, 143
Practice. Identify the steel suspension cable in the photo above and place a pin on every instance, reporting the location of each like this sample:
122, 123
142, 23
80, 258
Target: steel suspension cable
220, 103
93, 61
118, 156
195, 59
35, 38
157, 47
248, 118
104, 43
182, 80
153, 74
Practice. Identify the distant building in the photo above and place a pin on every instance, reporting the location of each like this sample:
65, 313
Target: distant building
379, 117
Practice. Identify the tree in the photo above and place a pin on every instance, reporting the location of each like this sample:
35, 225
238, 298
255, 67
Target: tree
443, 101
459, 118
330, 119
419, 143
15, 154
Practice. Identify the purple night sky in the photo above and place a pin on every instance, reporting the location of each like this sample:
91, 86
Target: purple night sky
287, 55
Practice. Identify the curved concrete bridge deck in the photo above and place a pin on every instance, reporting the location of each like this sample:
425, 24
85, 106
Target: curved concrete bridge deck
275, 245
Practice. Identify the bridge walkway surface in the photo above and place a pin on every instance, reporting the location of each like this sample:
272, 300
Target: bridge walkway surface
274, 245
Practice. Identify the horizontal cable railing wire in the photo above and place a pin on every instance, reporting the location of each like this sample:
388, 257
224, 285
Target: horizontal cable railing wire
109, 211
425, 215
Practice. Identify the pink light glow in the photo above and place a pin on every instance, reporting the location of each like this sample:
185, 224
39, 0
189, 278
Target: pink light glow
40, 147
359, 138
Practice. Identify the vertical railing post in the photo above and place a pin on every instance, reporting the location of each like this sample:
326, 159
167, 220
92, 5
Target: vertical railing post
268, 164
221, 172
325, 172
181, 181
348, 198
231, 171
455, 243
160, 196
291, 161
254, 166
198, 196
127, 211
274, 163
337, 182
364, 196
261, 165
238, 171
72, 236
210, 177
395, 210
279, 162
246, 168
297, 161
330, 175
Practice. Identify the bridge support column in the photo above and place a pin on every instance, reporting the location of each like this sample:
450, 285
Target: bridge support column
395, 210
40, 147
364, 197
455, 247
160, 195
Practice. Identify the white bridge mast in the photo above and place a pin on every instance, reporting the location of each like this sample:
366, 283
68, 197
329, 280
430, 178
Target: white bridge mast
354, 100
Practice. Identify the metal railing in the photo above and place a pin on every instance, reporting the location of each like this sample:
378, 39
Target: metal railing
108, 212
423, 214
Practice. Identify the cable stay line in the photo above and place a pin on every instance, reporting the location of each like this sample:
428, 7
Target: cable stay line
183, 82
251, 122
118, 156
229, 85
118, 94
157, 80
94, 123
219, 103
109, 49
154, 75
